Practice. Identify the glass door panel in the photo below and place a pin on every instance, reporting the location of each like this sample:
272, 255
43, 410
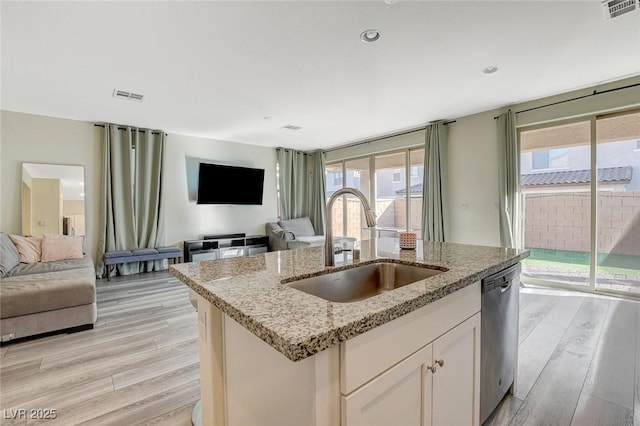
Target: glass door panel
555, 183
416, 171
618, 221
391, 193
334, 176
358, 177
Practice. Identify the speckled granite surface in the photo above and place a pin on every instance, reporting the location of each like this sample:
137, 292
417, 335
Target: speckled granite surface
254, 292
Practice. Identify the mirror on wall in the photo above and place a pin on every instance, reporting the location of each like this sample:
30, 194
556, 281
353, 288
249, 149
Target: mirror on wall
52, 199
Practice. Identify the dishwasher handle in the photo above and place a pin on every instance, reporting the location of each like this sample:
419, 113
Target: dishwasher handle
501, 280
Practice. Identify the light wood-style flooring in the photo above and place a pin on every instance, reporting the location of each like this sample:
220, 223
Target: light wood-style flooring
138, 366
579, 361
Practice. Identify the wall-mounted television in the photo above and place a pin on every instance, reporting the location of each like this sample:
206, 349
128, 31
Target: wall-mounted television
222, 184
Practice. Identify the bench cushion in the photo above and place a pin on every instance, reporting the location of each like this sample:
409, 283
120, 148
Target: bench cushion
169, 250
117, 253
144, 251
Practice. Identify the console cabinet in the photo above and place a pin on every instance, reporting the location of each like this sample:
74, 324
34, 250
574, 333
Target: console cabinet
224, 246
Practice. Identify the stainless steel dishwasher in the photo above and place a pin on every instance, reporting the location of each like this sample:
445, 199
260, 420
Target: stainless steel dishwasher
499, 341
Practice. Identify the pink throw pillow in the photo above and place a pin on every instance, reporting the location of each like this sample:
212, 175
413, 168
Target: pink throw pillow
29, 248
61, 247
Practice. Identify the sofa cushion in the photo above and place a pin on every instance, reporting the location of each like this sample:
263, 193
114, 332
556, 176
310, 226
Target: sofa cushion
9, 256
29, 248
60, 247
28, 294
300, 227
59, 265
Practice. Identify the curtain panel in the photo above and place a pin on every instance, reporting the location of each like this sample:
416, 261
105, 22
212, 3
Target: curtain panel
302, 186
131, 213
434, 183
509, 179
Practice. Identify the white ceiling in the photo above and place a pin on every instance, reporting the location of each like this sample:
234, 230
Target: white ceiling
216, 69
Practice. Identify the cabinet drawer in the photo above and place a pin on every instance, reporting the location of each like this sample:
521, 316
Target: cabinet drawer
369, 354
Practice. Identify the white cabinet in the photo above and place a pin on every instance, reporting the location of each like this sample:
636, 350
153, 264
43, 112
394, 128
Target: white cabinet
437, 385
382, 377
456, 384
396, 397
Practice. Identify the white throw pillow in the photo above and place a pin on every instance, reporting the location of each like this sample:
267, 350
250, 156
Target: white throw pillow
61, 247
29, 248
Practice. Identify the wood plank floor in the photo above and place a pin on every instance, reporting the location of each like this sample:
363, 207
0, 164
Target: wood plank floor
579, 361
138, 366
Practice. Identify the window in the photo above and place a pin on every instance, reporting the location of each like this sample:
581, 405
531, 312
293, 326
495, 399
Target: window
550, 159
382, 178
337, 178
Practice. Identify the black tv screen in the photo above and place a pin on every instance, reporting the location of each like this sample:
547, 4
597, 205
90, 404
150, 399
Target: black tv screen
221, 184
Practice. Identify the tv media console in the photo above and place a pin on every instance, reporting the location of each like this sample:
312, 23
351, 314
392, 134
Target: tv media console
223, 246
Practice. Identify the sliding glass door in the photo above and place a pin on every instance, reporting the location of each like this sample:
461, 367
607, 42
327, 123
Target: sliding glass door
392, 180
581, 198
618, 198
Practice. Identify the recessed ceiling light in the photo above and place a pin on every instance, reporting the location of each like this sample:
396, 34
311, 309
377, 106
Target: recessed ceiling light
490, 70
391, 1
369, 36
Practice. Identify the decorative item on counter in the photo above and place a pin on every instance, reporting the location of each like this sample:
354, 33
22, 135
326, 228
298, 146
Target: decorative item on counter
356, 254
408, 240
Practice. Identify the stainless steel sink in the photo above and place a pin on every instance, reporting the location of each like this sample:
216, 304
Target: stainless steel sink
362, 282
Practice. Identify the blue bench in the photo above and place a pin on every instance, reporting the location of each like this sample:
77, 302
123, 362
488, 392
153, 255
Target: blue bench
141, 255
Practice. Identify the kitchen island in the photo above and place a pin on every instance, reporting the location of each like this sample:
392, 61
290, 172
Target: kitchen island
272, 354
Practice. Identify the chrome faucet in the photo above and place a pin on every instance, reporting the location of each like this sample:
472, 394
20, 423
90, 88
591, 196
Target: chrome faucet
368, 214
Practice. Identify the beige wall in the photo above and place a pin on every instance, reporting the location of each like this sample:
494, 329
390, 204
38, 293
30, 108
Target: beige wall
46, 206
38, 139
73, 207
184, 219
473, 155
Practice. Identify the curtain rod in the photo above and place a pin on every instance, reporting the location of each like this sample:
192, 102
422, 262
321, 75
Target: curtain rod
595, 92
393, 135
140, 130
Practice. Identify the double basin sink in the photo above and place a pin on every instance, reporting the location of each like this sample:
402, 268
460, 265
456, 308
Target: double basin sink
361, 282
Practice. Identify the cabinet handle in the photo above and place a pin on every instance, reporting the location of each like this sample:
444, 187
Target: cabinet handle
440, 362
432, 368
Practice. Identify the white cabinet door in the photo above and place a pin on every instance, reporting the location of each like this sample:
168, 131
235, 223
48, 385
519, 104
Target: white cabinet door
456, 384
396, 397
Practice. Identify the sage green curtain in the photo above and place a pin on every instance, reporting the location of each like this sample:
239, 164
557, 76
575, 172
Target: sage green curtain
302, 186
509, 179
131, 213
318, 192
434, 183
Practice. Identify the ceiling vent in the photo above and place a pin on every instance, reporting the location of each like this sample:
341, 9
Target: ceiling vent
616, 8
291, 127
121, 94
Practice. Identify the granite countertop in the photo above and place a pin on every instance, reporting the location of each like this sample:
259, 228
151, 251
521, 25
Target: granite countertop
253, 290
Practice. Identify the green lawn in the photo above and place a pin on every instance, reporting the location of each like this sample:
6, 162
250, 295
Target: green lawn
615, 264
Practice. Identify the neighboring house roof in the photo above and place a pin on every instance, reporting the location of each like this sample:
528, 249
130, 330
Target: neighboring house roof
565, 177
572, 177
414, 189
